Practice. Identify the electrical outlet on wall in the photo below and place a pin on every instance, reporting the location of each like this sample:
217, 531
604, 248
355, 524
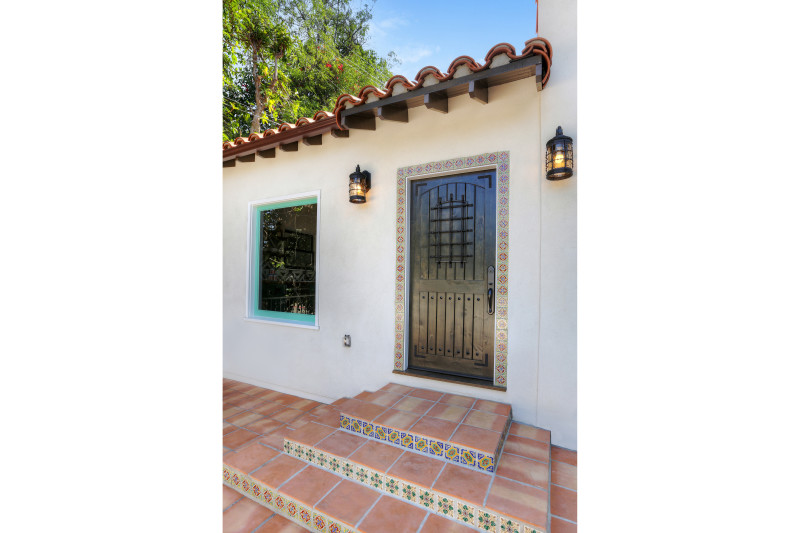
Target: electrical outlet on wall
347, 340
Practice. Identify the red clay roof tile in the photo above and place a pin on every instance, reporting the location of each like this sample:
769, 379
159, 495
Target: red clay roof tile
535, 46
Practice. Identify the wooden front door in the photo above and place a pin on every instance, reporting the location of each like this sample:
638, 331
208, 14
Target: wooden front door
451, 288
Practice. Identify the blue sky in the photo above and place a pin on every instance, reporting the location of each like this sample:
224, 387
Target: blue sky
435, 32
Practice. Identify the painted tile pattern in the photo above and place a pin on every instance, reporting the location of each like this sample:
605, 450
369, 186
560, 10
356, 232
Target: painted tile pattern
301, 514
448, 451
480, 518
502, 161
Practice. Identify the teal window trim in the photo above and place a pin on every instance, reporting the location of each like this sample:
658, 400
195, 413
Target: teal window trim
255, 262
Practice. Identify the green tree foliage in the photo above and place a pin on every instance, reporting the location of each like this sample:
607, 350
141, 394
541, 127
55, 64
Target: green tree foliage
286, 59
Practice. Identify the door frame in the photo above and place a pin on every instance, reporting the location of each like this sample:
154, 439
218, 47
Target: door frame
500, 162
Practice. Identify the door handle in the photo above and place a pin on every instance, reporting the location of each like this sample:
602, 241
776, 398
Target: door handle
490, 289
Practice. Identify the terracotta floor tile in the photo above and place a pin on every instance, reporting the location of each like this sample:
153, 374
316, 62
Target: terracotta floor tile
427, 394
244, 516
439, 524
275, 438
322, 409
269, 408
251, 403
244, 418
522, 502
269, 395
302, 420
250, 457
329, 419
376, 455
340, 401
482, 419
364, 396
523, 470
304, 405
564, 474
532, 449
455, 399
397, 419
264, 426
434, 427
279, 524
312, 433
363, 410
287, 415
310, 485
417, 468
238, 438
414, 405
252, 389
396, 388
564, 455
564, 503
237, 399
240, 385
341, 443
459, 482
529, 432
229, 496
493, 407
277, 471
228, 428
348, 502
392, 515
453, 413
477, 438
562, 526
288, 399
386, 399
231, 411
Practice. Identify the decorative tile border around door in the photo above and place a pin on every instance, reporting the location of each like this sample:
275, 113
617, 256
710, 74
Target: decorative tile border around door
501, 160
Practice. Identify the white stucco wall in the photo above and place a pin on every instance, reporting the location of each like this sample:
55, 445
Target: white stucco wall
558, 385
357, 257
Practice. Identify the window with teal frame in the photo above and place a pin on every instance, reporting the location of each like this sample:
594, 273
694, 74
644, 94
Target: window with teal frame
283, 261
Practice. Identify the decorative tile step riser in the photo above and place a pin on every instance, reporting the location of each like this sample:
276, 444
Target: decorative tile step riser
479, 518
454, 453
310, 519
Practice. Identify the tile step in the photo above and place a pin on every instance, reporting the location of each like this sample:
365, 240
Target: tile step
317, 500
448, 490
459, 429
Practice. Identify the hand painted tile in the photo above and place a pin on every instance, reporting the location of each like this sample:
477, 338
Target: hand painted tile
445, 506
320, 523
465, 513
426, 499
487, 521
348, 469
291, 508
409, 492
510, 526
468, 457
304, 514
392, 485
335, 465
376, 480
361, 474
421, 444
436, 448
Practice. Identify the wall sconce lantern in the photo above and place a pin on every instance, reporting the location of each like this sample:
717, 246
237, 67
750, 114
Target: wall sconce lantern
558, 159
360, 183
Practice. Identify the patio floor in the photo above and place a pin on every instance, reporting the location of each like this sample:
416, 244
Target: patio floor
256, 421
